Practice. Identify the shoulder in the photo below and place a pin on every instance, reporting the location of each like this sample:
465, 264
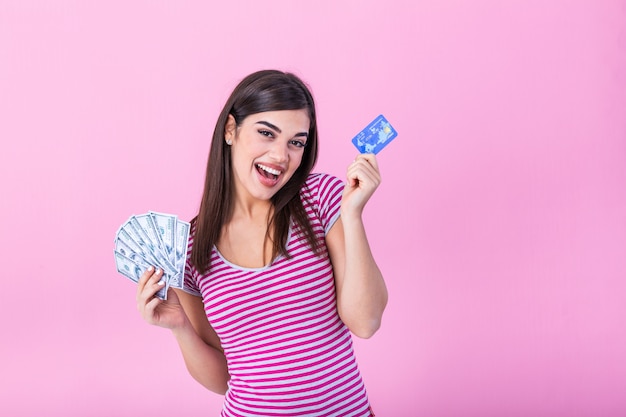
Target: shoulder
321, 198
318, 184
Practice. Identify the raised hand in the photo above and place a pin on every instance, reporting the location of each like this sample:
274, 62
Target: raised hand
363, 179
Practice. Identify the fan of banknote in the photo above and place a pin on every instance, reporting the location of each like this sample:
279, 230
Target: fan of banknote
153, 239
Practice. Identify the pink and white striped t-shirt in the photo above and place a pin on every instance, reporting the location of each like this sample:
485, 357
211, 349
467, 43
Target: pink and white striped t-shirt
288, 352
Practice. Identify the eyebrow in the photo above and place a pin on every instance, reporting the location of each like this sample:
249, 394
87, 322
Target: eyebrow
276, 128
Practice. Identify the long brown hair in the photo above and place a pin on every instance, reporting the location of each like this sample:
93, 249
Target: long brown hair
267, 90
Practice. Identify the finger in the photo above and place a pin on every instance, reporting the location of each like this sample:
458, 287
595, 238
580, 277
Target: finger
361, 177
366, 162
369, 158
155, 282
145, 276
364, 173
148, 302
151, 285
150, 308
156, 277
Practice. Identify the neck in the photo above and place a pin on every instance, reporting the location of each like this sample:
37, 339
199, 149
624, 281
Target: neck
249, 208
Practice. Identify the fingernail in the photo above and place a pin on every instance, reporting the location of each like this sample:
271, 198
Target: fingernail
161, 283
158, 271
150, 268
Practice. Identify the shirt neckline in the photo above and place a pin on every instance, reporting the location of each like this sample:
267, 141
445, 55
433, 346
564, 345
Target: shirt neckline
258, 269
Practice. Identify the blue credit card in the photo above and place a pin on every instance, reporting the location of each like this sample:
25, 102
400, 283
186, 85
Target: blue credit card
375, 136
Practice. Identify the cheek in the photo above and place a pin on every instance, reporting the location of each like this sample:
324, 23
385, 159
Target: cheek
296, 159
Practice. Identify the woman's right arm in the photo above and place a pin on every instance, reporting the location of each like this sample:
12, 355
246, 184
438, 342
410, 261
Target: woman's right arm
184, 315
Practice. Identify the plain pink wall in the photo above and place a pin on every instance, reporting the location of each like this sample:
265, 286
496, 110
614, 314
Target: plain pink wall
500, 224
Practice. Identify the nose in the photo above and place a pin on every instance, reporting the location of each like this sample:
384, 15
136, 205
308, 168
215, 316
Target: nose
279, 151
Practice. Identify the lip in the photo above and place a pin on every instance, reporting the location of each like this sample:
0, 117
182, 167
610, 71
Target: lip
274, 169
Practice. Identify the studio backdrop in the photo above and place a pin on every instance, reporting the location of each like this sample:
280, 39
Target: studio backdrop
500, 224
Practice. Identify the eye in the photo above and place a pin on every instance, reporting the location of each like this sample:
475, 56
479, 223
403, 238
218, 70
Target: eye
266, 133
297, 143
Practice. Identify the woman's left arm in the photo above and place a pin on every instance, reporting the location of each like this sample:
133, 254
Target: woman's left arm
361, 290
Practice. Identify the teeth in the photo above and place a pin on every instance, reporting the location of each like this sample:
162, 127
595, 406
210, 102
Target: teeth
268, 169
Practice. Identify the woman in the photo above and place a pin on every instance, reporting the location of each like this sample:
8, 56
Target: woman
279, 270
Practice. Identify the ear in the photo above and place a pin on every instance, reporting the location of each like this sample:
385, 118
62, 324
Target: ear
230, 128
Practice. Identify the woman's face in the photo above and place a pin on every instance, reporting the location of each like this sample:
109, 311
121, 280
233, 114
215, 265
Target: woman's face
267, 149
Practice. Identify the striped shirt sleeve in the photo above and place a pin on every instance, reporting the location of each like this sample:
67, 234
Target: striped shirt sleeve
191, 283
330, 190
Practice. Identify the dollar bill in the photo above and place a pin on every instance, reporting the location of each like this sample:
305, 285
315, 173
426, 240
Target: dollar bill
148, 242
133, 270
147, 224
166, 226
181, 241
153, 239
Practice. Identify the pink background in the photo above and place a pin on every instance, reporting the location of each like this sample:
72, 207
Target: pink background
500, 225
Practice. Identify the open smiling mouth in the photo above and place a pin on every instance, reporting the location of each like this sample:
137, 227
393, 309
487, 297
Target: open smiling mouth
267, 172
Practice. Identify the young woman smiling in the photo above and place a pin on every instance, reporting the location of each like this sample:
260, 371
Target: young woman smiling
279, 272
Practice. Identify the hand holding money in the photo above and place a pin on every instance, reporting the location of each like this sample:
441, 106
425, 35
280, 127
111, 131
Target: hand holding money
155, 240
155, 311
